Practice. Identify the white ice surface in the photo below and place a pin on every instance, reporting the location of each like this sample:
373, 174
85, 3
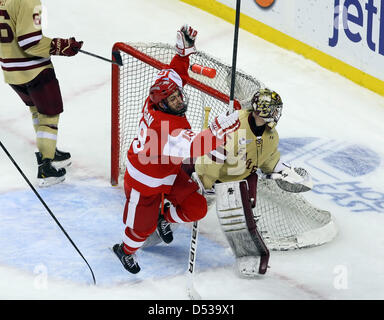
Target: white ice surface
317, 103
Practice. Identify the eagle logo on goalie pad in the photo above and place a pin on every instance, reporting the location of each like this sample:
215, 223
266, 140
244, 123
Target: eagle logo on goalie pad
233, 208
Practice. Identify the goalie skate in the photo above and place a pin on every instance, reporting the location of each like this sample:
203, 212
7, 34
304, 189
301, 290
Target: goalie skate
233, 208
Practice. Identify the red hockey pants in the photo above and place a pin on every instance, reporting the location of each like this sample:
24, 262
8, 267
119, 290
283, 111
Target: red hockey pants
141, 212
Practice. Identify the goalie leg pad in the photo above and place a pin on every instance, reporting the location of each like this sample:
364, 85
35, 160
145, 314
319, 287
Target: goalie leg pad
233, 208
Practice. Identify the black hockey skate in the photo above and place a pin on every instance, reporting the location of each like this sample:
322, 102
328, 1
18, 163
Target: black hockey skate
129, 261
48, 175
61, 160
164, 227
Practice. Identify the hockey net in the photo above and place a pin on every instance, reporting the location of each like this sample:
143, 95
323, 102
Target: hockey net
286, 220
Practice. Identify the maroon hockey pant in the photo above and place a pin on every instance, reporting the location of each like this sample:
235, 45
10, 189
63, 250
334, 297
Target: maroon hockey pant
43, 92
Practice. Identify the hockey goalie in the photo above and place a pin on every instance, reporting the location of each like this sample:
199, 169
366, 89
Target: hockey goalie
232, 173
229, 176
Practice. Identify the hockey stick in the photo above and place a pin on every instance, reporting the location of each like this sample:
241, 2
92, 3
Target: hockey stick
46, 207
115, 54
234, 56
191, 291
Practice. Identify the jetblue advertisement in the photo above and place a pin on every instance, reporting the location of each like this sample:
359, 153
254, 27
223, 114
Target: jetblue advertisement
350, 30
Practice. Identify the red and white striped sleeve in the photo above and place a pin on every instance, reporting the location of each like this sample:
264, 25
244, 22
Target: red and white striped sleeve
187, 144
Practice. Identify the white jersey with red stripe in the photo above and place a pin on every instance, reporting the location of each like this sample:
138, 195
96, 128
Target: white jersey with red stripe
24, 51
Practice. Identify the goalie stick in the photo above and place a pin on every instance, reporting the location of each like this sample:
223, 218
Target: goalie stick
251, 224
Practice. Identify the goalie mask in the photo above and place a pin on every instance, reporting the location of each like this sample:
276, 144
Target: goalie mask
169, 97
268, 105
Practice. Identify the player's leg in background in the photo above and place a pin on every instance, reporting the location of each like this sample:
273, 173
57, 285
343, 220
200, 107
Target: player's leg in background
35, 117
46, 135
42, 95
45, 93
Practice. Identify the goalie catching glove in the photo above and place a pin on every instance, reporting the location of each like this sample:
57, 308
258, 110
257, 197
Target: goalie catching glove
225, 123
185, 41
291, 179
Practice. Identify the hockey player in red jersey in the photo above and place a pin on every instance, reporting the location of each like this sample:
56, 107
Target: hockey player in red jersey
155, 156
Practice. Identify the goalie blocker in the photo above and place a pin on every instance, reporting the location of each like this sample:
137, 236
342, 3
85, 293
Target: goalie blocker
234, 210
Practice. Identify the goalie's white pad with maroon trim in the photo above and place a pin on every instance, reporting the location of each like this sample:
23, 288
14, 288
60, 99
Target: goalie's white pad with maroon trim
233, 208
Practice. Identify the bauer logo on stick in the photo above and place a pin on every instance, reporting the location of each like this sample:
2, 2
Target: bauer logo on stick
265, 3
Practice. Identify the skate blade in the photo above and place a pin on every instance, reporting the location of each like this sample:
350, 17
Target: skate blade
46, 182
61, 164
